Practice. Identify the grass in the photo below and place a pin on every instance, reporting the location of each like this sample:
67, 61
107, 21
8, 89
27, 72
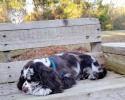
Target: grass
113, 36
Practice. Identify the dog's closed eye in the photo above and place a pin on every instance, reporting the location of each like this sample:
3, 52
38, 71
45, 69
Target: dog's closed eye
96, 63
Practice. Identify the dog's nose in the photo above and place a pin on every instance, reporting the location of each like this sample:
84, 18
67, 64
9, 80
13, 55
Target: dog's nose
25, 89
99, 68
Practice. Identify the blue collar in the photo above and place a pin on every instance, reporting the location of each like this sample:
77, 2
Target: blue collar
54, 66
53, 63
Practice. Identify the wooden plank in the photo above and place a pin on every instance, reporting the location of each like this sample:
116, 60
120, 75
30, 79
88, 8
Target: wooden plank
115, 56
115, 62
10, 88
106, 94
54, 42
12, 40
2, 57
49, 24
89, 90
95, 46
10, 71
17, 55
114, 48
44, 34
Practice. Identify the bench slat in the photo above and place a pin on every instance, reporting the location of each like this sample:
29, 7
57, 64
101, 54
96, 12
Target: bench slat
48, 24
22, 39
96, 89
10, 72
115, 56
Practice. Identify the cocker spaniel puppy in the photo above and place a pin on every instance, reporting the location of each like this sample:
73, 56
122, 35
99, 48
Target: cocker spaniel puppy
58, 72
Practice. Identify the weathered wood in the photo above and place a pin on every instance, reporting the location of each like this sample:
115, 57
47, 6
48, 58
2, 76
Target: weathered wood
12, 40
87, 90
10, 71
16, 55
115, 56
114, 48
115, 62
2, 57
49, 24
95, 46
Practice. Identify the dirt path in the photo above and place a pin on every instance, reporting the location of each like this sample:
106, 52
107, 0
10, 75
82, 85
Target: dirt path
113, 36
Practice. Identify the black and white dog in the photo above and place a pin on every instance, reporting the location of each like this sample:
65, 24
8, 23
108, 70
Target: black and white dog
58, 72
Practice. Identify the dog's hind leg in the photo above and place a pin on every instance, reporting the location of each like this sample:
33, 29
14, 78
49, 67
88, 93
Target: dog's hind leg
68, 82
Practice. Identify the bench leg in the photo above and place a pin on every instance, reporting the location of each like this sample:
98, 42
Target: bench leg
7, 56
95, 46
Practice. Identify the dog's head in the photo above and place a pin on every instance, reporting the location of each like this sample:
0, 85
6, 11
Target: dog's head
90, 68
37, 73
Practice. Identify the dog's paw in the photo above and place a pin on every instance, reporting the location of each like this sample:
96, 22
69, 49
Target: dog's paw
41, 92
92, 77
68, 82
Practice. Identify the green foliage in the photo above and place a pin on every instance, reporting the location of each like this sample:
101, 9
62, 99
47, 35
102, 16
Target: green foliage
15, 4
119, 23
103, 16
55, 9
102, 13
62, 9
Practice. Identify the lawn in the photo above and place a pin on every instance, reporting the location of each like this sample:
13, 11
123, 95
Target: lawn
113, 36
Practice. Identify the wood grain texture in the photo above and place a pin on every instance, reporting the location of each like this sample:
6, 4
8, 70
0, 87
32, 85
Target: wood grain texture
115, 56
48, 24
115, 63
21, 39
10, 72
86, 89
114, 48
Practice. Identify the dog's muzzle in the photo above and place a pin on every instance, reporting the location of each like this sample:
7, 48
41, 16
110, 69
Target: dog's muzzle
25, 89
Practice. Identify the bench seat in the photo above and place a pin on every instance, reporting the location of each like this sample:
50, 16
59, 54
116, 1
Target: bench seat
109, 88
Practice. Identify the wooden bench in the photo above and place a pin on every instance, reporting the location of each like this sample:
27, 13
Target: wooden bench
49, 33
42, 34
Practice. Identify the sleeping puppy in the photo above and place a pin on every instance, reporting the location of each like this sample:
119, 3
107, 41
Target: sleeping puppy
58, 72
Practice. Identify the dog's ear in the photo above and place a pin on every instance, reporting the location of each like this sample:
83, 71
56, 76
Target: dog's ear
85, 60
28, 64
49, 78
20, 81
54, 82
42, 71
85, 57
40, 67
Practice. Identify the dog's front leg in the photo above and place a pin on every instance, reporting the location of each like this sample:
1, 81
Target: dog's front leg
41, 91
68, 81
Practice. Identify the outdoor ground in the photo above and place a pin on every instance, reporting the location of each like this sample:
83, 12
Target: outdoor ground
111, 87
113, 36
